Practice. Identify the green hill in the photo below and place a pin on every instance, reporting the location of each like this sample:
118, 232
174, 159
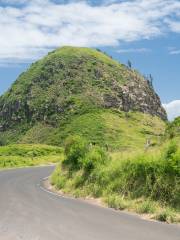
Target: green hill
81, 91
117, 144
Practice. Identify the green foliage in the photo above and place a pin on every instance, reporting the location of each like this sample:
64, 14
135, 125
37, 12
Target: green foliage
95, 157
29, 155
117, 202
173, 129
2, 141
81, 155
146, 206
153, 176
166, 216
58, 179
146, 175
81, 159
171, 150
75, 151
110, 129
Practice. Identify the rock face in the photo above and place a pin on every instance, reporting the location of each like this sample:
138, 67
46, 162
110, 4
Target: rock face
137, 95
71, 80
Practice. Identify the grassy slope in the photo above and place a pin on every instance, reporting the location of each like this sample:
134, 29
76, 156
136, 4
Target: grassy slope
112, 129
144, 181
20, 155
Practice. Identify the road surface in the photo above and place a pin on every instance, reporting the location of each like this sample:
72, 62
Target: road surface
27, 212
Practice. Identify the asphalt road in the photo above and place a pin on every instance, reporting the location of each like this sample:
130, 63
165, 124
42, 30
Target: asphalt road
27, 212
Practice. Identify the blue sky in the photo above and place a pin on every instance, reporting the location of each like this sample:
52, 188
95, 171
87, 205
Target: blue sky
147, 32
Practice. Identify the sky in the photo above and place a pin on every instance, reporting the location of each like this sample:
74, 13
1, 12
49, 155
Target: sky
146, 32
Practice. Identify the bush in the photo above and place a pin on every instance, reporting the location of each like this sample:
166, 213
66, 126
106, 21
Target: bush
155, 177
165, 216
173, 129
80, 155
96, 156
2, 141
152, 176
171, 150
75, 150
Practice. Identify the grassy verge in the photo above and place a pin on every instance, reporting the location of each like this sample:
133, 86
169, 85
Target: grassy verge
21, 155
145, 182
147, 207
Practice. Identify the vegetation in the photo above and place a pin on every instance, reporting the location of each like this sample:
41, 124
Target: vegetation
145, 182
173, 129
29, 155
70, 85
107, 128
57, 84
114, 130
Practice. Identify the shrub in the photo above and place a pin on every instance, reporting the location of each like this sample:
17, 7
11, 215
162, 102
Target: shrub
173, 129
145, 175
171, 150
153, 176
2, 141
165, 216
96, 156
75, 150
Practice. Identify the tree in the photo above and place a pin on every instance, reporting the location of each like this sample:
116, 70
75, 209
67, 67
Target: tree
99, 50
150, 78
129, 64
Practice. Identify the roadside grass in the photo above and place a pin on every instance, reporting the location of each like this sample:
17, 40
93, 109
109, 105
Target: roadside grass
21, 155
146, 182
150, 209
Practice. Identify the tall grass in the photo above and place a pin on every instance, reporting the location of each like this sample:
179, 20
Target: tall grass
20, 155
153, 176
146, 175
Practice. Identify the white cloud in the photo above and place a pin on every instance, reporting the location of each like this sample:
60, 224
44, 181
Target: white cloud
174, 26
134, 50
29, 31
172, 109
174, 51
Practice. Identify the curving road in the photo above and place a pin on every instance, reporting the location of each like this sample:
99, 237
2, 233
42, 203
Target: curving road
27, 212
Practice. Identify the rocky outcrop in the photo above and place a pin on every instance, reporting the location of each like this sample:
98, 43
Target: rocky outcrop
136, 95
142, 98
